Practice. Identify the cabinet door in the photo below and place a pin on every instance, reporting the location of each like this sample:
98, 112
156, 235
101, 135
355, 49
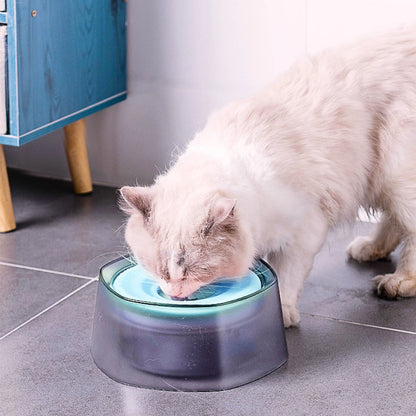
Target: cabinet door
70, 56
3, 79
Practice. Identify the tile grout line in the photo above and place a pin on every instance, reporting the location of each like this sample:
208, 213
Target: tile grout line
48, 308
37, 269
385, 328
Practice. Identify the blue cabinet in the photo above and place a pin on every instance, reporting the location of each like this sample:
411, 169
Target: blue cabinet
65, 60
60, 60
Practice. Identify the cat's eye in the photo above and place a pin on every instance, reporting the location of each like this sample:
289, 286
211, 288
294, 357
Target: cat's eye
165, 274
207, 227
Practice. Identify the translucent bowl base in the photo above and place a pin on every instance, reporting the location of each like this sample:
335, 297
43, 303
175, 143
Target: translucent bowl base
186, 345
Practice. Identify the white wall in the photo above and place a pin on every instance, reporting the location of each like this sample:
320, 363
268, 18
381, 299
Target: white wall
188, 57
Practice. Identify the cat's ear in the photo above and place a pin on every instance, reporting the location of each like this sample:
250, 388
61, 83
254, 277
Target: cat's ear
136, 198
222, 210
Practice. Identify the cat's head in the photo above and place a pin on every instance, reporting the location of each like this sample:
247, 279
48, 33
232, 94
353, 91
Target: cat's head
186, 241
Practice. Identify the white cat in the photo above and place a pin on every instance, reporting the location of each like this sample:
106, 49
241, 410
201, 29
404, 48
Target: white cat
269, 175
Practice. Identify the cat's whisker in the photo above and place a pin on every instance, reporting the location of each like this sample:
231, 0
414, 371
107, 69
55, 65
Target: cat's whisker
112, 253
120, 228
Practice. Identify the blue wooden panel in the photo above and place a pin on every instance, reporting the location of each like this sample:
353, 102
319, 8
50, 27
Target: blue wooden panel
41, 131
13, 110
3, 17
70, 56
9, 140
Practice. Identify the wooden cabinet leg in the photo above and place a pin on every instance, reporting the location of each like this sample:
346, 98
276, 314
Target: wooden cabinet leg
77, 156
7, 222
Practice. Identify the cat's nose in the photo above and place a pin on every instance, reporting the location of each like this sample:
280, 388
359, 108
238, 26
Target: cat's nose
171, 289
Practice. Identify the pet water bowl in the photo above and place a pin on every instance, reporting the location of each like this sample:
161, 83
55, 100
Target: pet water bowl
226, 334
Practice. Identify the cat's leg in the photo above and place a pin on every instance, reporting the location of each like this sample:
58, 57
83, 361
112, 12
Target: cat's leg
401, 283
294, 261
379, 244
399, 193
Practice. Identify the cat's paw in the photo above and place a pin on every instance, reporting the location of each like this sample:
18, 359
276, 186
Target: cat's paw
291, 316
363, 249
395, 285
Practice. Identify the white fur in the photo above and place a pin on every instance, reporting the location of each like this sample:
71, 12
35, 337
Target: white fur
336, 132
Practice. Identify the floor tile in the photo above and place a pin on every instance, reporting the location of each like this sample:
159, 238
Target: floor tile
58, 230
343, 289
49, 368
333, 368
25, 293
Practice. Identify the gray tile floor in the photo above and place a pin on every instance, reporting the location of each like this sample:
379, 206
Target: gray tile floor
354, 354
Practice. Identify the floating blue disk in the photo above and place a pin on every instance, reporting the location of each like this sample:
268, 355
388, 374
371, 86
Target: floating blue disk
136, 283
